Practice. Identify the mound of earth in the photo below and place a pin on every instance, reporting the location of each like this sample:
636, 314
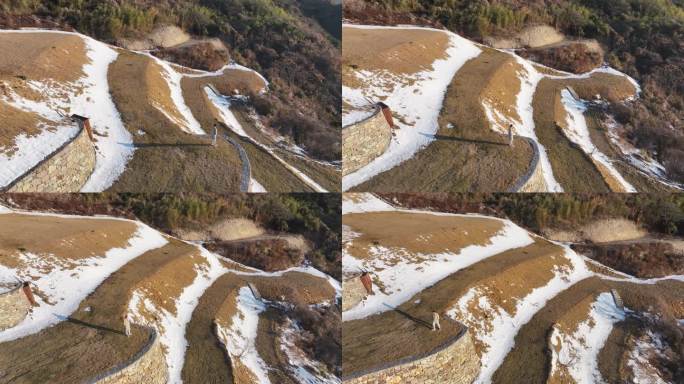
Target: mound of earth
569, 56
207, 55
644, 259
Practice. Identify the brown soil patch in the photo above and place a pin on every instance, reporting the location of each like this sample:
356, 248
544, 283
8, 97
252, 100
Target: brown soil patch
164, 149
294, 287
91, 341
417, 233
41, 56
393, 51
567, 326
199, 54
468, 157
64, 239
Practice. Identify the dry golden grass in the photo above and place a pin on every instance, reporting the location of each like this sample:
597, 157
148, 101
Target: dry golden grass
16, 122
65, 239
391, 51
41, 56
417, 233
501, 91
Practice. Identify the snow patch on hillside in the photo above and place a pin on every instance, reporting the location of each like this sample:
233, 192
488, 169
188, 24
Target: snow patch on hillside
173, 79
363, 202
648, 346
240, 338
578, 352
65, 288
497, 332
403, 278
578, 133
171, 327
305, 370
417, 98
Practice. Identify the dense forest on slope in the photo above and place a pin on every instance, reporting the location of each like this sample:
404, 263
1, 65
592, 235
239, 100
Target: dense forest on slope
659, 213
316, 216
643, 38
291, 42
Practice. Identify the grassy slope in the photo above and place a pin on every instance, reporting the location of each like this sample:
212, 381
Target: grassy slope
469, 157
165, 149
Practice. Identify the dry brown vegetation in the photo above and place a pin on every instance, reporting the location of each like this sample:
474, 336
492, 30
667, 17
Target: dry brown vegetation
164, 148
417, 233
470, 156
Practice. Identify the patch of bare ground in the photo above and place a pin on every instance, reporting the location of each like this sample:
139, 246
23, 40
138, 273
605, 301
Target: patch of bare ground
470, 156
529, 360
163, 149
208, 55
610, 358
576, 56
42, 56
419, 234
387, 337
270, 173
92, 339
644, 259
65, 239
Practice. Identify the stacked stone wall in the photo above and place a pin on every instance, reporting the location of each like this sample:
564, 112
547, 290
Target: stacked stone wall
364, 141
533, 179
65, 170
457, 363
353, 292
148, 366
14, 306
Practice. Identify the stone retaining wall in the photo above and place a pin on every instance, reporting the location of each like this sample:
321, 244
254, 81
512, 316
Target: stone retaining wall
364, 141
533, 179
65, 170
353, 292
455, 363
148, 366
14, 306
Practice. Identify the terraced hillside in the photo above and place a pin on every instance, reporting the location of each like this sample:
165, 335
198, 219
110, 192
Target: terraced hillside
115, 300
534, 310
453, 102
151, 123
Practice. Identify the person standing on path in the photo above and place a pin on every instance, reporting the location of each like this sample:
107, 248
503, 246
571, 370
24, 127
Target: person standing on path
127, 325
213, 141
510, 135
435, 321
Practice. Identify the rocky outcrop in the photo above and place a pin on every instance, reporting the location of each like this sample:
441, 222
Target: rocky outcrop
353, 292
14, 306
454, 363
364, 141
66, 170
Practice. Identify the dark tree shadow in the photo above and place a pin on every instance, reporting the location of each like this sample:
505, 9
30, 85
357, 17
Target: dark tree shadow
410, 317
